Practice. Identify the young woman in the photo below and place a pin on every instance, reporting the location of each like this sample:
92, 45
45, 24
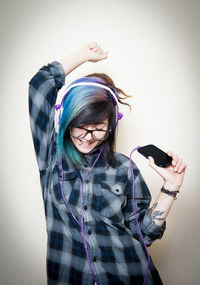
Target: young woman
98, 228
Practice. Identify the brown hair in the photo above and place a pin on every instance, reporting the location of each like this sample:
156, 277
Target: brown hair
110, 83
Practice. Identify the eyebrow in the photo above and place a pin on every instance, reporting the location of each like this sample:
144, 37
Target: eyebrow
99, 123
94, 124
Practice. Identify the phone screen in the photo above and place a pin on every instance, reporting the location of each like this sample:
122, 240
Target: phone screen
161, 158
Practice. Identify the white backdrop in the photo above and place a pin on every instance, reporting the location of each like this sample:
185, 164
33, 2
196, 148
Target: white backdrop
154, 55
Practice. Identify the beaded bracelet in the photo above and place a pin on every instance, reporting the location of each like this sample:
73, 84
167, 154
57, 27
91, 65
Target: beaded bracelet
170, 193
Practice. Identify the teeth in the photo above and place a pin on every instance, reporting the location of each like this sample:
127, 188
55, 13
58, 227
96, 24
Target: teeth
86, 144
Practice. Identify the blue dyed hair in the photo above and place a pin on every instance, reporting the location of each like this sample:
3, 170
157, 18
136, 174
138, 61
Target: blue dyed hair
84, 105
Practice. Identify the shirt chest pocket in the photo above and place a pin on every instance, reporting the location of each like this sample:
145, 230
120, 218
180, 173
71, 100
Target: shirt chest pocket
64, 187
109, 200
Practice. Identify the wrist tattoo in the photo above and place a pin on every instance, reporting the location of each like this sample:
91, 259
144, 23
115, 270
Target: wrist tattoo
155, 215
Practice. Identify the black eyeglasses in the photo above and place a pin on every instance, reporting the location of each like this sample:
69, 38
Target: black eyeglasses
97, 135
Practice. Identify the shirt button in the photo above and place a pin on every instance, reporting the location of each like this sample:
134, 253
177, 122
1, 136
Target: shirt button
89, 232
94, 258
85, 207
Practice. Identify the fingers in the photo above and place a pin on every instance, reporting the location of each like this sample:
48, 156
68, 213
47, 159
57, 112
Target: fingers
169, 152
92, 45
101, 51
177, 162
151, 160
104, 54
182, 168
152, 163
174, 157
97, 48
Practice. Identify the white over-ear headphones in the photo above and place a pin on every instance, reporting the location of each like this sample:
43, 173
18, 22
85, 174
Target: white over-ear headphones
59, 107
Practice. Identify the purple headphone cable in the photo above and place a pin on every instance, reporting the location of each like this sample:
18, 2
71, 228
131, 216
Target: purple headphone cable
81, 225
133, 177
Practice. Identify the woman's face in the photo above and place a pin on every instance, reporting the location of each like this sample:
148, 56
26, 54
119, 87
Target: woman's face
87, 144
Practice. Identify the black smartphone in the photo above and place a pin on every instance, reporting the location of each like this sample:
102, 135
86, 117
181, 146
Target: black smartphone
161, 158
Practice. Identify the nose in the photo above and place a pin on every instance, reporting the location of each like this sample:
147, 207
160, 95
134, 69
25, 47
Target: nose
88, 137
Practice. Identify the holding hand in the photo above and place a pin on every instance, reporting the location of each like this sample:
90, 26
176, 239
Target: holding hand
172, 175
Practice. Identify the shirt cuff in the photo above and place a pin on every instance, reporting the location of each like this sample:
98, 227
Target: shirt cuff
152, 229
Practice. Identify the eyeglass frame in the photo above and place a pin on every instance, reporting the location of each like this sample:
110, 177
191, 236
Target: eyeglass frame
90, 131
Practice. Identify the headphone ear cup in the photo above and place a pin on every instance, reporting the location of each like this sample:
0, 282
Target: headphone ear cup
57, 116
56, 126
120, 115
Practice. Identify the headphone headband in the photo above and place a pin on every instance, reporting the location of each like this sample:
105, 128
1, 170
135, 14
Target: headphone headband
92, 84
59, 106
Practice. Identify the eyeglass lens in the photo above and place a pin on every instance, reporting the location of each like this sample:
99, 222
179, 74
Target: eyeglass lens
96, 134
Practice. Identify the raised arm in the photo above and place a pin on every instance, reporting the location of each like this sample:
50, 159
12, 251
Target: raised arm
43, 89
152, 220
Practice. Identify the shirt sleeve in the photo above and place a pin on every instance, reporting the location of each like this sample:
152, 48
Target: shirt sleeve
142, 198
43, 89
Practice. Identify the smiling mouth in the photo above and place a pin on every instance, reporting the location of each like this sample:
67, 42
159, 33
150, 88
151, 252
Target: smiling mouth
85, 144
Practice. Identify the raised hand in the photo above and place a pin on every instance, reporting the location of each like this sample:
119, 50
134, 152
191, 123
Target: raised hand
92, 52
89, 52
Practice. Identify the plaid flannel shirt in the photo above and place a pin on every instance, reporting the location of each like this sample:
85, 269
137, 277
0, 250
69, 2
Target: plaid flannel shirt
115, 248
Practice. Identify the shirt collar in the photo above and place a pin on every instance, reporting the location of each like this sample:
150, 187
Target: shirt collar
90, 157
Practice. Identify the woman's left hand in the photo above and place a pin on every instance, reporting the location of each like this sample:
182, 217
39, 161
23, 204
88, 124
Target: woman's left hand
172, 175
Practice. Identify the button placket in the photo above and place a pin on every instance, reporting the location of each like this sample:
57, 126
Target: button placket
85, 207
